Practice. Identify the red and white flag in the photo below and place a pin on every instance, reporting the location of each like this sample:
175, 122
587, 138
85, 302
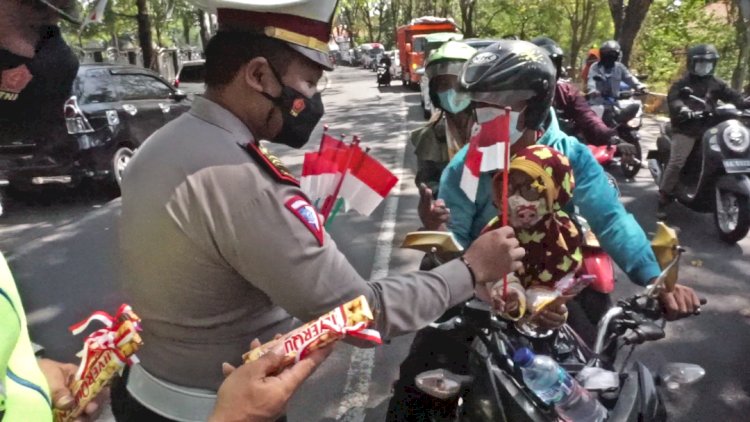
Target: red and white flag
96, 15
339, 170
488, 148
322, 169
367, 183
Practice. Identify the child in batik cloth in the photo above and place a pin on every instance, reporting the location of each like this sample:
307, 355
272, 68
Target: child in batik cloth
540, 184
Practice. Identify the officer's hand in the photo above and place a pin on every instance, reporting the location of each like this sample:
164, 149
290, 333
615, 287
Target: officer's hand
434, 214
594, 94
494, 254
252, 393
679, 303
59, 377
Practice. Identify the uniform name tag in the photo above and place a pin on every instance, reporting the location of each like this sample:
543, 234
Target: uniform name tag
302, 209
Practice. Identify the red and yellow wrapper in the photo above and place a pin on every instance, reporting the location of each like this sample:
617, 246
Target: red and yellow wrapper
105, 353
350, 319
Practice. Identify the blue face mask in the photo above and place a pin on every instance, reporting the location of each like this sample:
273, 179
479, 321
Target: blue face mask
452, 102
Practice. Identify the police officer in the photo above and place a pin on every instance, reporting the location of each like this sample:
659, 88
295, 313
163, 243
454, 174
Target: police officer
219, 242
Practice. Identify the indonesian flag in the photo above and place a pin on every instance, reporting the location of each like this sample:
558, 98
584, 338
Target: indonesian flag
96, 15
339, 170
488, 148
367, 183
322, 169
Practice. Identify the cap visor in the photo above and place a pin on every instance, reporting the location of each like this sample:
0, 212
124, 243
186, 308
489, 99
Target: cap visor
314, 55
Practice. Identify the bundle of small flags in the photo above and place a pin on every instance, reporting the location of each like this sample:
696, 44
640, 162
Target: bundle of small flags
341, 174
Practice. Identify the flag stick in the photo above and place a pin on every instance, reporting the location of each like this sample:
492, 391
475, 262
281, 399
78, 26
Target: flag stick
330, 202
506, 170
340, 201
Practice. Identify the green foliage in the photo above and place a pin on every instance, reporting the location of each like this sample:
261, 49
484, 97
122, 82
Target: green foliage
577, 25
670, 29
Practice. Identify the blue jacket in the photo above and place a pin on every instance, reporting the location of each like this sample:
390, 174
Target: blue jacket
618, 232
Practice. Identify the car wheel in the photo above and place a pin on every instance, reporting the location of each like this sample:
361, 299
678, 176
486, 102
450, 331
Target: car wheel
120, 161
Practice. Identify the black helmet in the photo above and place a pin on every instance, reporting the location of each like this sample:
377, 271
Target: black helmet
509, 72
555, 52
705, 54
610, 49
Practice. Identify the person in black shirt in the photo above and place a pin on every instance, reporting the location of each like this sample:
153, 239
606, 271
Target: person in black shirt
701, 65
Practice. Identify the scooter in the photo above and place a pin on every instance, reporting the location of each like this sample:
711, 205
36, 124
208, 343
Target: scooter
625, 114
494, 389
383, 75
716, 176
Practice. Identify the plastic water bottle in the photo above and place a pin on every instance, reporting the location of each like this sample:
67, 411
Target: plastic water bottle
551, 383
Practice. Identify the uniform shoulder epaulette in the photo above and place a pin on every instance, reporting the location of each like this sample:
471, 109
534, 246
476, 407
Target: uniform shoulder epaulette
271, 164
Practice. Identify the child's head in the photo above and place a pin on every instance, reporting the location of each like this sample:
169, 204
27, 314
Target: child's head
540, 183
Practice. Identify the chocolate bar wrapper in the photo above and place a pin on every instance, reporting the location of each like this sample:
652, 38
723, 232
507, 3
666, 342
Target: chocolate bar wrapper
102, 364
352, 318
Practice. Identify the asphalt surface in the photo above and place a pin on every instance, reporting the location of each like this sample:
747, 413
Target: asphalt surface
63, 252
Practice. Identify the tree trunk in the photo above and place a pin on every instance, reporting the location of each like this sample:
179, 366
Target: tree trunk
186, 24
739, 74
394, 19
628, 20
617, 9
144, 33
467, 16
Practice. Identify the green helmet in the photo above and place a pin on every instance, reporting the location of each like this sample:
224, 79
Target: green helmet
448, 59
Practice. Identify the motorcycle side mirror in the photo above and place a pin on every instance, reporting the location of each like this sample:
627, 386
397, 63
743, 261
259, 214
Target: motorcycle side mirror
674, 374
686, 92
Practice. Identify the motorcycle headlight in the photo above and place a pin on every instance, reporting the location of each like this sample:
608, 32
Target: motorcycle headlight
736, 138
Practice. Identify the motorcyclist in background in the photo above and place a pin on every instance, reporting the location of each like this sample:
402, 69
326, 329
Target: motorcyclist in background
570, 104
605, 76
438, 141
701, 65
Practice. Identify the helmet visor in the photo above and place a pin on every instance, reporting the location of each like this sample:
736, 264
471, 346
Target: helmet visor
514, 99
444, 68
703, 67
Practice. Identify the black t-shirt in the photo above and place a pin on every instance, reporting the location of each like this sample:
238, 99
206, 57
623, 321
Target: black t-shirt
33, 92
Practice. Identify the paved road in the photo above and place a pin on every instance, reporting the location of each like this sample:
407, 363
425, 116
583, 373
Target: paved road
64, 256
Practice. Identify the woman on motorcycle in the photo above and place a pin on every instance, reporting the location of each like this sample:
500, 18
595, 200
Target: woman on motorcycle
519, 74
701, 65
438, 141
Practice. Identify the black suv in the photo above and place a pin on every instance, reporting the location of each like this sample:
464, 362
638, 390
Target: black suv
111, 112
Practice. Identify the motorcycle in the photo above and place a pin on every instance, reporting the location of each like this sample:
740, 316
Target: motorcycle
383, 75
625, 114
716, 176
494, 390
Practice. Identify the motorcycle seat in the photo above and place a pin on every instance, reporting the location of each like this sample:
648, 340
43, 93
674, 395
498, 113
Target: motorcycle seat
626, 113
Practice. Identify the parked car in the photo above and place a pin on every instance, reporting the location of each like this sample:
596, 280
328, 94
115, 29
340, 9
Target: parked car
111, 112
424, 83
191, 78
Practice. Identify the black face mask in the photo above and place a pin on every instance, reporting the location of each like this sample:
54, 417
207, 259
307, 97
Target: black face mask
36, 88
609, 61
300, 114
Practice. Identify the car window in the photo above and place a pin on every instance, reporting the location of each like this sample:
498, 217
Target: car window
192, 74
141, 87
94, 86
418, 45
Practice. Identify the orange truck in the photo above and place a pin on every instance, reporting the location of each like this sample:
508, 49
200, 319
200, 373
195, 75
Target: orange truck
411, 48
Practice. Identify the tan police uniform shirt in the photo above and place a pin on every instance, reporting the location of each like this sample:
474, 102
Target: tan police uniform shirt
214, 255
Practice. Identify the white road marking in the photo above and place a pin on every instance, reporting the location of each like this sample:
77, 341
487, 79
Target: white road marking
357, 387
